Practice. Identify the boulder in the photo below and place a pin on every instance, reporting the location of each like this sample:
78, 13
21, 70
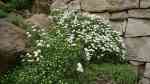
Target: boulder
108, 5
144, 3
41, 20
139, 13
137, 27
12, 43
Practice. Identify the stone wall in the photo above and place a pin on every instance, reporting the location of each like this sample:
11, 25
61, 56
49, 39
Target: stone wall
129, 17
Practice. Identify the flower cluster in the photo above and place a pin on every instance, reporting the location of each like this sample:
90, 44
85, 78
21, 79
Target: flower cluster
50, 51
95, 34
37, 38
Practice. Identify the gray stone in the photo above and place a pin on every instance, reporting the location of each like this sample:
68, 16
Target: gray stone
138, 48
117, 5
59, 4
94, 5
144, 3
137, 27
144, 81
41, 20
136, 63
108, 5
118, 16
118, 26
139, 13
12, 43
147, 70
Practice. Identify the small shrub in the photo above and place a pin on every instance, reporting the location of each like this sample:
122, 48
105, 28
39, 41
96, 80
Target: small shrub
59, 56
118, 74
17, 20
20, 4
3, 14
50, 61
101, 43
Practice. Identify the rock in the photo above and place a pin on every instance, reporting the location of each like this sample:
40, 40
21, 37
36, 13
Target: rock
137, 27
144, 81
138, 48
41, 6
136, 63
144, 3
108, 5
61, 4
117, 5
94, 5
11, 45
139, 13
147, 70
141, 70
41, 20
119, 26
118, 16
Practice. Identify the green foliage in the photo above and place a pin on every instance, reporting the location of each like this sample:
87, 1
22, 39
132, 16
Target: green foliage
60, 55
3, 14
119, 74
51, 60
17, 20
101, 43
20, 4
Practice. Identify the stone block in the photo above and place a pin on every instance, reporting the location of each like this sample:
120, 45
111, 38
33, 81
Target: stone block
94, 5
137, 27
138, 48
108, 5
144, 81
118, 16
144, 3
118, 26
139, 13
147, 70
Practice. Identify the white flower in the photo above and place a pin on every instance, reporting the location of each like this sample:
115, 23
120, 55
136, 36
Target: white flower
80, 67
36, 53
29, 35
34, 30
39, 44
37, 59
34, 26
47, 45
30, 60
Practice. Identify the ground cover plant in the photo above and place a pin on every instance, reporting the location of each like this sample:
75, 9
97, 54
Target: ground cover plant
67, 51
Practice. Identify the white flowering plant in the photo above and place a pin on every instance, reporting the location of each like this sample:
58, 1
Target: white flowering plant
60, 55
49, 60
100, 43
